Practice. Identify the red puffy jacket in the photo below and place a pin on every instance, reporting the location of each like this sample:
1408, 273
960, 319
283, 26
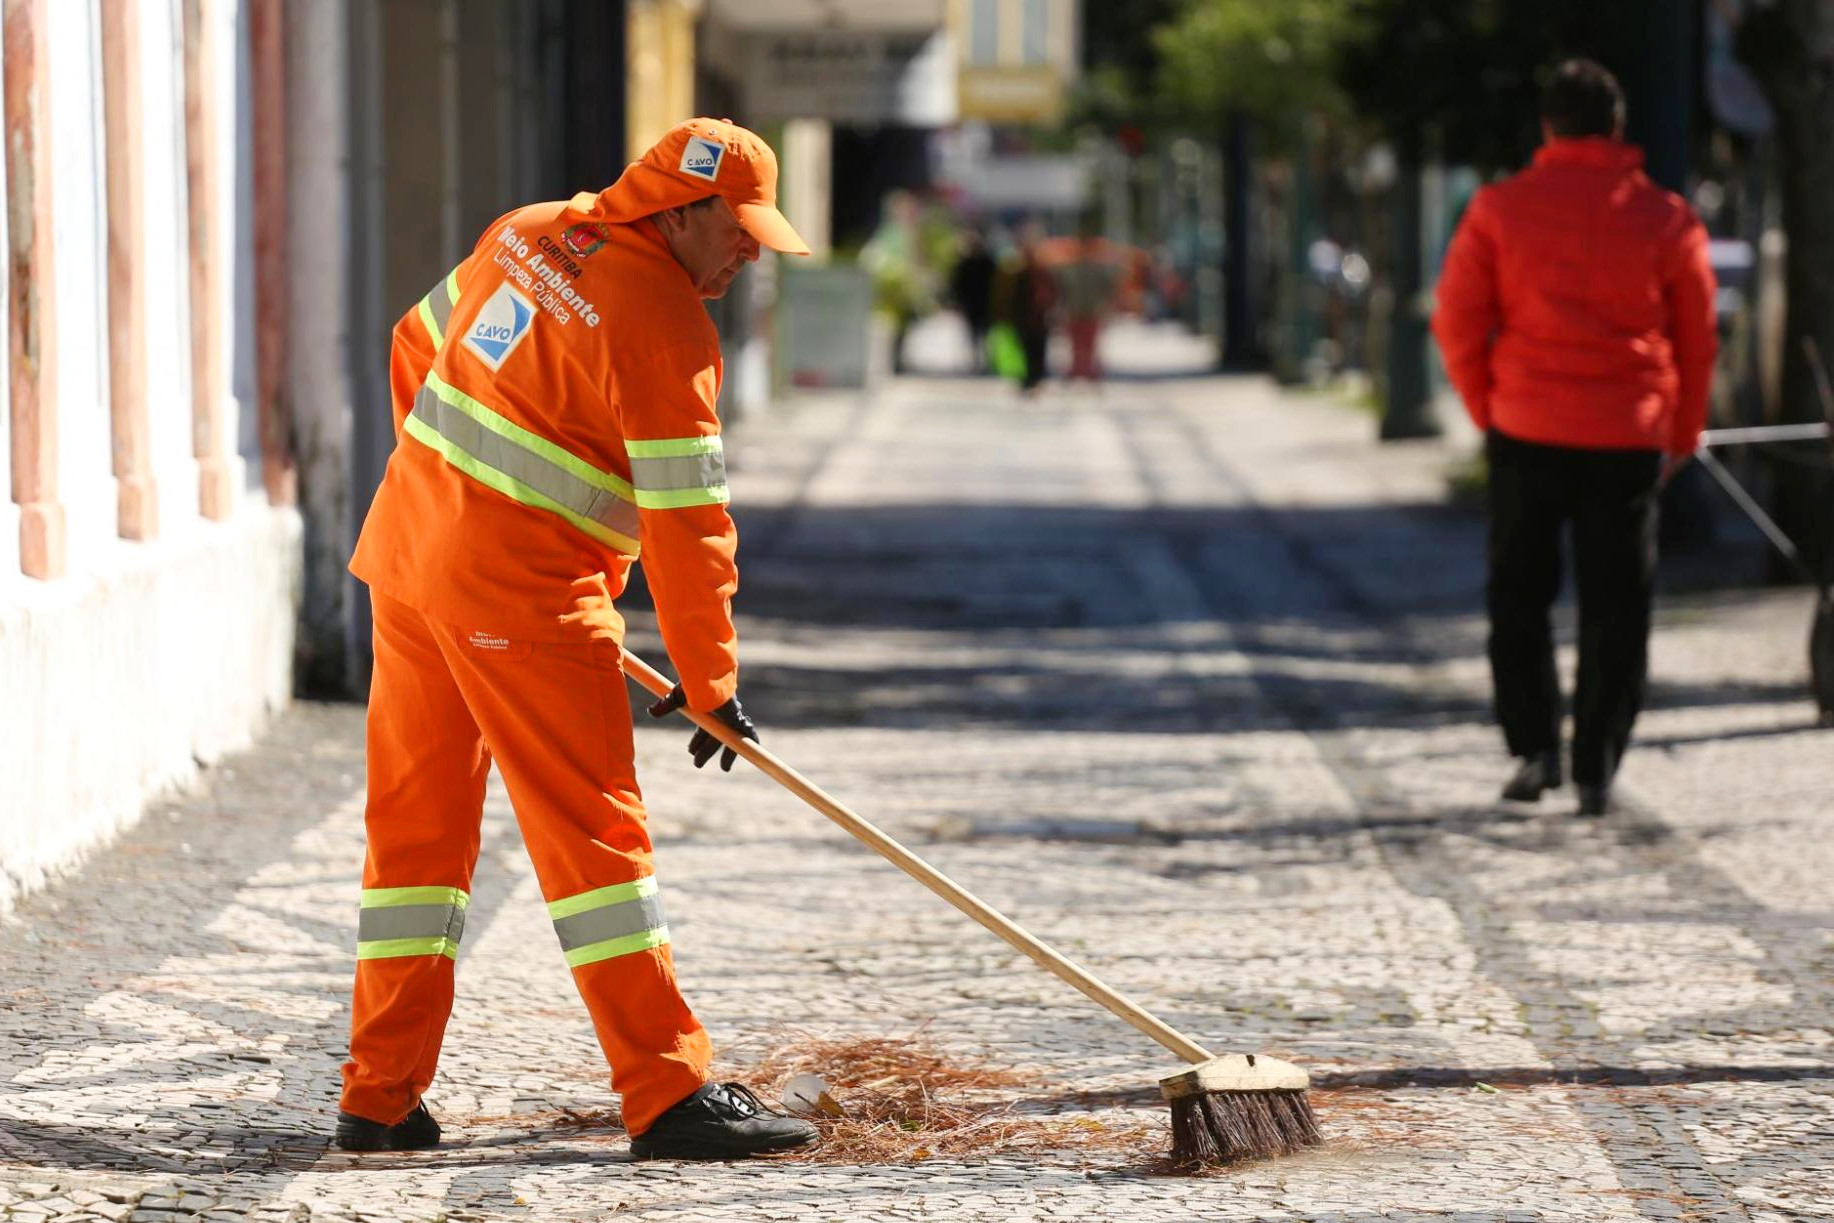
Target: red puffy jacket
1576, 305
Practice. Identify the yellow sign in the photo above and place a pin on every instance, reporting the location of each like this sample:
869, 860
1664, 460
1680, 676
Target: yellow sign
1031, 93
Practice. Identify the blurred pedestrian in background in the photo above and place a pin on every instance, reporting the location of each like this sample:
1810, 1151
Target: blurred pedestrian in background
1025, 299
904, 277
971, 289
1576, 317
1087, 283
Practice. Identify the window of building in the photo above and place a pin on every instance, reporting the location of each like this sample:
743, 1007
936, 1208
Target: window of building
1035, 26
983, 31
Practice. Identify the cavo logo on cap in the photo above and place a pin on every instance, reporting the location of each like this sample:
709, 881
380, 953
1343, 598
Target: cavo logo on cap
702, 158
502, 323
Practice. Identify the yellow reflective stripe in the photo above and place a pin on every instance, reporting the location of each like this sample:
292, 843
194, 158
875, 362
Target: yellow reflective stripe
382, 898
675, 447
676, 498
388, 949
487, 447
411, 921
604, 911
673, 472
430, 323
592, 953
511, 487
503, 427
617, 893
435, 309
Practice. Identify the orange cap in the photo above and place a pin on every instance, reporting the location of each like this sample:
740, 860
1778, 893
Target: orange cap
705, 157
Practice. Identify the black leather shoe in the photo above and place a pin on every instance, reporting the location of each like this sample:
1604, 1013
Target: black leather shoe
414, 1132
720, 1121
1538, 773
1594, 800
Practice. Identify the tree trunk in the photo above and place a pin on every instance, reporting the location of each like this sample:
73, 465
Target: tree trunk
1790, 49
1408, 409
1241, 328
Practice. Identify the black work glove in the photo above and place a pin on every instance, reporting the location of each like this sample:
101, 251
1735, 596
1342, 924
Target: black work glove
703, 745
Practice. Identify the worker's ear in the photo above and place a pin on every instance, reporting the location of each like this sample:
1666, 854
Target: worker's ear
672, 220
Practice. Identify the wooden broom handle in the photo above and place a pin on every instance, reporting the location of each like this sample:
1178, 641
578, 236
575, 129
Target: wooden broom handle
908, 862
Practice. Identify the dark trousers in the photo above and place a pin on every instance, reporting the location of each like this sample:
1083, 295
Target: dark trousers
1035, 342
1609, 497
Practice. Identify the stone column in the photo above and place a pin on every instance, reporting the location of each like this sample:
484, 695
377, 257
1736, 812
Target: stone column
216, 483
31, 337
137, 502
320, 310
807, 187
268, 57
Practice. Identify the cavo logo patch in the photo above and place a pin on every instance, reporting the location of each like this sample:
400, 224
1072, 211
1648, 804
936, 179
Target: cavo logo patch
500, 326
702, 158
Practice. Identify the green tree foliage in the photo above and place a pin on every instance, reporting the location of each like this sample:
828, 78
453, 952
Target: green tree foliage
1272, 60
1465, 73
1121, 62
1118, 37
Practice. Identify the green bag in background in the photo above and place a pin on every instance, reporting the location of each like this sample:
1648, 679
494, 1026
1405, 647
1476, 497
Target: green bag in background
1004, 352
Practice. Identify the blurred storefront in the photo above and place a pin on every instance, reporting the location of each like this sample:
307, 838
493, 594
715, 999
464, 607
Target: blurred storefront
849, 94
1018, 58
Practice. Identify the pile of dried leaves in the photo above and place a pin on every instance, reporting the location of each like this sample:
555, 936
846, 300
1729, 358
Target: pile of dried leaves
904, 1102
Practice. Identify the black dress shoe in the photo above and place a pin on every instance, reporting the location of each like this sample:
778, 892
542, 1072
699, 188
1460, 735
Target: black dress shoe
1594, 800
414, 1132
1537, 773
720, 1121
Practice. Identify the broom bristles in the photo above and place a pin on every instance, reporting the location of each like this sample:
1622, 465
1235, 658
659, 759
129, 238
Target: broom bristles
1225, 1127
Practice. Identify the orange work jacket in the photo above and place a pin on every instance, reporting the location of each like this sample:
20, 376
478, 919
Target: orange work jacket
554, 404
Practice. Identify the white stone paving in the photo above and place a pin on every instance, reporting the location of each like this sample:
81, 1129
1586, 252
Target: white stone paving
1189, 678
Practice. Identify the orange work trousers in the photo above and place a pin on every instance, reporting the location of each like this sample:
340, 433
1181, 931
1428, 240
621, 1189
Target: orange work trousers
444, 702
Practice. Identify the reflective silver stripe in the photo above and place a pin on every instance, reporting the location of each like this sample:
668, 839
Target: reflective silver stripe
435, 309
686, 471
610, 922
618, 920
482, 444
441, 298
676, 472
411, 921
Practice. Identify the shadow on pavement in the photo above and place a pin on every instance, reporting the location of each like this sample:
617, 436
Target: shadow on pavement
1052, 616
1567, 1076
1465, 1078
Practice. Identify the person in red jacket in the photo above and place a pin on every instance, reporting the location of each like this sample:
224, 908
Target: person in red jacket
555, 400
1575, 313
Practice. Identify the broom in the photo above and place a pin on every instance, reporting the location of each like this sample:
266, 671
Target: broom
1224, 1109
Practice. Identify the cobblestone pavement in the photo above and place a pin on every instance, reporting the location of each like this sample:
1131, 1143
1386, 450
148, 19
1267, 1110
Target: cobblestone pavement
1189, 677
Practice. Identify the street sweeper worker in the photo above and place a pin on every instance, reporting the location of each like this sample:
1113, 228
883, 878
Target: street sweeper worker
1576, 317
555, 406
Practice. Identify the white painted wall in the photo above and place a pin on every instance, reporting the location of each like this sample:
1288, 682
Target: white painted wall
79, 238
118, 682
166, 283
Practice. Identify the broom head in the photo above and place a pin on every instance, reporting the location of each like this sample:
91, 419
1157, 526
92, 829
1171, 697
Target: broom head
1238, 1107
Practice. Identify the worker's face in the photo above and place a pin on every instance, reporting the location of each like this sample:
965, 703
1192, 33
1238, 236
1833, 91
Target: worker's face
709, 244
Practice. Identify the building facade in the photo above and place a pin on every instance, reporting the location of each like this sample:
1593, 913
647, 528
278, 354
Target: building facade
216, 211
149, 545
